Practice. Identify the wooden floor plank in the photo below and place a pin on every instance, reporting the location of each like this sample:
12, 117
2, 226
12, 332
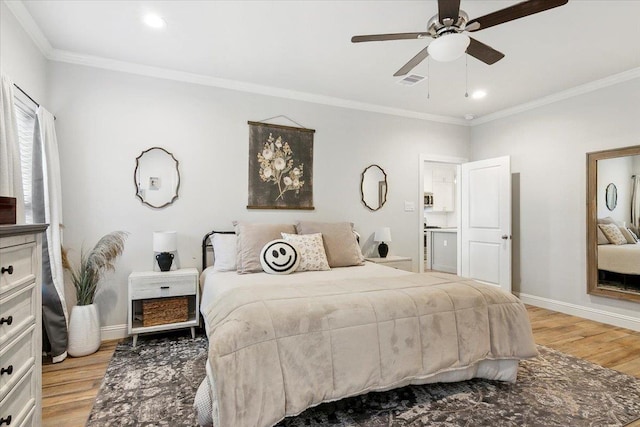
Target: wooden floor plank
70, 387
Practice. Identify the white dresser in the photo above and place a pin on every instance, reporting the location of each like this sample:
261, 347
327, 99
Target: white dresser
20, 325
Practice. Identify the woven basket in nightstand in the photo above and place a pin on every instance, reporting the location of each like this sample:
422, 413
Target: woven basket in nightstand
160, 311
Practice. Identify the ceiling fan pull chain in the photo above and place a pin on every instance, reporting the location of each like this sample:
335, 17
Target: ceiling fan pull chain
428, 78
466, 76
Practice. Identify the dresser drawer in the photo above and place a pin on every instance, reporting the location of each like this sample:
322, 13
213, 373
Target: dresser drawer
15, 359
19, 403
18, 265
17, 312
143, 288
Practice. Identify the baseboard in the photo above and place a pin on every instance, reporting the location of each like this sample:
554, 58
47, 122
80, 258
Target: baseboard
114, 332
595, 314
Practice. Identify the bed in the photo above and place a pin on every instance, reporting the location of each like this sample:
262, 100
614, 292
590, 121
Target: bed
281, 344
623, 259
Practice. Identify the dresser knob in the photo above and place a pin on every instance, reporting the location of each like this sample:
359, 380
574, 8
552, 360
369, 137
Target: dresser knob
6, 421
8, 321
7, 371
7, 269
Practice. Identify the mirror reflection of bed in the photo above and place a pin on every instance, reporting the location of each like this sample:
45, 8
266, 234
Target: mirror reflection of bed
618, 264
618, 248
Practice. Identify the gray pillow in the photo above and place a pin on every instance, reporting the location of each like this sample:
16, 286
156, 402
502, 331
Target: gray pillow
602, 239
252, 238
339, 241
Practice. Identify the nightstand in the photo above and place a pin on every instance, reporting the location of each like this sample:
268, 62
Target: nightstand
163, 301
394, 261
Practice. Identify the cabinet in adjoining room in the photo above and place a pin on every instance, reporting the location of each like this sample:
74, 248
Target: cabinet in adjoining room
444, 251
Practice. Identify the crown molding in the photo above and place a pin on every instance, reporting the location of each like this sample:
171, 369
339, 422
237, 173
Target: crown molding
33, 30
632, 74
30, 27
200, 79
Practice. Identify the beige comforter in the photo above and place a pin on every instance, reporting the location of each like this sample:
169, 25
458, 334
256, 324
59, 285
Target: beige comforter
277, 350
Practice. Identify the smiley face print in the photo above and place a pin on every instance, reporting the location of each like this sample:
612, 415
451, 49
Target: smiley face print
279, 257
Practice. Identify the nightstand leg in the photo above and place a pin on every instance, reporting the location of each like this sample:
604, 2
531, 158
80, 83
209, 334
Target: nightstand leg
193, 332
135, 340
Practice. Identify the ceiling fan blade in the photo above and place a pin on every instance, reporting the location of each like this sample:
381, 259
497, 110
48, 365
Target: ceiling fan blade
412, 63
384, 37
484, 53
510, 13
448, 9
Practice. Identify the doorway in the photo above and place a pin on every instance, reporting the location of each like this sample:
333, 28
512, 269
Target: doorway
440, 213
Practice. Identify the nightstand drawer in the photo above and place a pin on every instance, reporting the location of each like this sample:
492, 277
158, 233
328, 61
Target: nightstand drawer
17, 264
16, 313
15, 359
142, 289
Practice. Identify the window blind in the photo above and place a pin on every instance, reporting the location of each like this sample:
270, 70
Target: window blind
26, 118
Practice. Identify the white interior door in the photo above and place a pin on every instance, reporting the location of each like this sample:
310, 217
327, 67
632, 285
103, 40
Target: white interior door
486, 221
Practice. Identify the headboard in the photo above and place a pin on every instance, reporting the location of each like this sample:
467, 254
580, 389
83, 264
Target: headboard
207, 247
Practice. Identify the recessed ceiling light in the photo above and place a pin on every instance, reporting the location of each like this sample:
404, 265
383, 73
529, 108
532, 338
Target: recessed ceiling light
469, 116
479, 94
154, 21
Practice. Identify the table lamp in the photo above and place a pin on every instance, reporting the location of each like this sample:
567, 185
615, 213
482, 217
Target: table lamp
164, 243
383, 235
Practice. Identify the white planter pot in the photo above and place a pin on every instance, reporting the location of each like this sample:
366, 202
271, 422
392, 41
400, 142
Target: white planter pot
84, 330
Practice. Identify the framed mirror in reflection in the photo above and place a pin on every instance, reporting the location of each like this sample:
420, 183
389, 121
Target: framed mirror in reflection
373, 187
611, 196
613, 223
156, 177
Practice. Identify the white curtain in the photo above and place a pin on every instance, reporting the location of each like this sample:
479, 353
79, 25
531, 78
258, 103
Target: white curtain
10, 169
635, 203
48, 208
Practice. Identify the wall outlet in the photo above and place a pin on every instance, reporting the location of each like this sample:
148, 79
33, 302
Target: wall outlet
409, 206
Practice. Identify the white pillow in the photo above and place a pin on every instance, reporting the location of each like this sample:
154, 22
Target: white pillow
224, 251
279, 257
311, 250
628, 234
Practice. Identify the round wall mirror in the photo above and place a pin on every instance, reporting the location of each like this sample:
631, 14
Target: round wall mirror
373, 187
611, 196
156, 177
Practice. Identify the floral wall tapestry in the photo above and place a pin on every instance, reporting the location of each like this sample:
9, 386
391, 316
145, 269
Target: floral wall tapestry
280, 167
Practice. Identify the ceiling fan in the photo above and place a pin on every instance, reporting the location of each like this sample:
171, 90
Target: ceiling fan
447, 28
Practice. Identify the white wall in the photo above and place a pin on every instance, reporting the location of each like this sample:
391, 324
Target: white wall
105, 119
615, 171
20, 59
548, 149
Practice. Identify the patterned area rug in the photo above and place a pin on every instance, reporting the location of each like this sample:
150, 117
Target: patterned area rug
154, 385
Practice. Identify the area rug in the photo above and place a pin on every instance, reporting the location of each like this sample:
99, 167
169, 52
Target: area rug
154, 385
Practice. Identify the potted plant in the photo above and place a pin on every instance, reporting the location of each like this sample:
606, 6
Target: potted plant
84, 324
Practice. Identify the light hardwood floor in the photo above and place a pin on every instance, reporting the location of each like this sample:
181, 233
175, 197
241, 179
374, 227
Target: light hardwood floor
69, 388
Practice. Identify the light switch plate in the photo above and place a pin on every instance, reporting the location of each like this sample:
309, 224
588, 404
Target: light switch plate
409, 206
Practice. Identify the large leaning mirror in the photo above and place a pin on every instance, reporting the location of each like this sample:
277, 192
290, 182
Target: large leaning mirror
613, 223
373, 187
156, 177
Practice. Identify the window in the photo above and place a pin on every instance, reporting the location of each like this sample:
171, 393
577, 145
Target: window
26, 118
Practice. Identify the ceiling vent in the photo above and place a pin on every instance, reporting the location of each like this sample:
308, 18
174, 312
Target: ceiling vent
411, 80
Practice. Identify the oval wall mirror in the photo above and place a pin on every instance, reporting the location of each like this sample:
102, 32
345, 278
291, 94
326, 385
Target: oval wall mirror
611, 196
373, 187
156, 177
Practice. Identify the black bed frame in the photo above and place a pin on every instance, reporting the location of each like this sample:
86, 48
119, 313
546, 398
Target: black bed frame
206, 244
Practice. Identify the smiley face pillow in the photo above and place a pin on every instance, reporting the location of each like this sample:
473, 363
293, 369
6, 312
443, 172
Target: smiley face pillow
279, 257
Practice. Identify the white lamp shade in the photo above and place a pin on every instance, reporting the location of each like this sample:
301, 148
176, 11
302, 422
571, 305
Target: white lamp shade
165, 241
448, 47
383, 235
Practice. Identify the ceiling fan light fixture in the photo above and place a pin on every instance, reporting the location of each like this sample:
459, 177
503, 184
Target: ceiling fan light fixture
154, 21
448, 47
